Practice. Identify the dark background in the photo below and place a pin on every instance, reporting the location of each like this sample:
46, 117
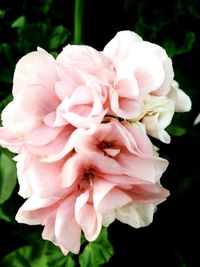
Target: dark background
173, 239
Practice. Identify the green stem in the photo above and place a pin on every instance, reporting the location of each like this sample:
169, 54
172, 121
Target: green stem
78, 15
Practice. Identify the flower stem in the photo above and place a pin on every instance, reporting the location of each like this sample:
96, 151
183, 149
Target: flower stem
78, 15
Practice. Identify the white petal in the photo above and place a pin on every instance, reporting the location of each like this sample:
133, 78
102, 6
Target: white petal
181, 99
136, 215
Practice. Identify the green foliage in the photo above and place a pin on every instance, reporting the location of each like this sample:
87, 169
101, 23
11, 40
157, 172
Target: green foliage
8, 180
165, 22
44, 255
55, 258
19, 22
7, 177
4, 217
98, 252
20, 33
43, 35
173, 48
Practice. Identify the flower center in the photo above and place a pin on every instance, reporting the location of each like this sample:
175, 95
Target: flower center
109, 148
86, 181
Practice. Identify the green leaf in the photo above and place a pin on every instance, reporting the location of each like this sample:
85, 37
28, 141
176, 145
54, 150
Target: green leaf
176, 130
43, 35
55, 258
173, 48
7, 59
38, 8
4, 217
19, 22
59, 37
39, 254
24, 257
2, 13
8, 177
5, 101
98, 252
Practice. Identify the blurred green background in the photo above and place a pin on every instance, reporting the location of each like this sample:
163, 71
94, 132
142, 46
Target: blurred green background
172, 240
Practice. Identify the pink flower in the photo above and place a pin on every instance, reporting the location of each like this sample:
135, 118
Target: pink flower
50, 100
142, 68
79, 125
113, 169
91, 187
123, 144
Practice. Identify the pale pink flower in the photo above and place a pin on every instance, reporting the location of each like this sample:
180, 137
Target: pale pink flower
124, 144
111, 171
92, 185
142, 68
78, 167
50, 101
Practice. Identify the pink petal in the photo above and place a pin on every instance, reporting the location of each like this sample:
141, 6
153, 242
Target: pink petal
38, 100
35, 68
86, 216
148, 193
83, 57
12, 118
23, 161
57, 148
125, 108
107, 196
75, 166
41, 135
45, 178
67, 231
49, 228
10, 141
35, 210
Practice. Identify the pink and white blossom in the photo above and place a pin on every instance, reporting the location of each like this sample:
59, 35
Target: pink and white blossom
80, 125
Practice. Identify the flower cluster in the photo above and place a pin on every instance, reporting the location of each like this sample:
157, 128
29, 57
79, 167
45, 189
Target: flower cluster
80, 124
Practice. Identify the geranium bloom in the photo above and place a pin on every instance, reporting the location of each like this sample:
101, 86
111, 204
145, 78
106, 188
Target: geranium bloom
79, 124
